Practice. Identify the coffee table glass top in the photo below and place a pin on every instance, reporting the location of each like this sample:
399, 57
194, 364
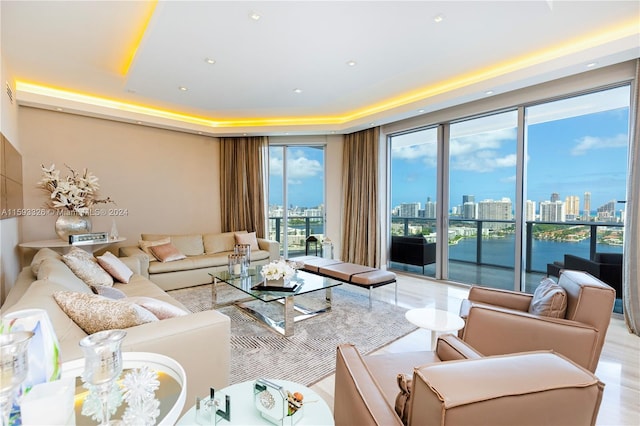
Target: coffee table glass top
307, 283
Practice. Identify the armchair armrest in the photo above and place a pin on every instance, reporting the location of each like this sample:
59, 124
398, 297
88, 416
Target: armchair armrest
450, 347
504, 298
358, 399
273, 247
495, 331
136, 252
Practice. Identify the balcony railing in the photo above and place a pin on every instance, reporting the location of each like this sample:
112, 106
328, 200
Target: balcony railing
492, 242
299, 229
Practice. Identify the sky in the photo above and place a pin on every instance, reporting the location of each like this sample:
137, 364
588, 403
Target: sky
574, 146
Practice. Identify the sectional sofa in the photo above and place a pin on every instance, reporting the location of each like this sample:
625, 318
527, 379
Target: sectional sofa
204, 254
198, 341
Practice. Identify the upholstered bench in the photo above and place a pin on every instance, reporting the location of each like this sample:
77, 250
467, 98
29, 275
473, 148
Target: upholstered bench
350, 273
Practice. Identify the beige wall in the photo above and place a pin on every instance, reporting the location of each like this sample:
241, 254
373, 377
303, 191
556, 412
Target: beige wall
164, 181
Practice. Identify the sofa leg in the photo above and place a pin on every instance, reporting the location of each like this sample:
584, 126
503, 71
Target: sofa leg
370, 295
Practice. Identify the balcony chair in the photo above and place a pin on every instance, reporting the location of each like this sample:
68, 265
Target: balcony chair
412, 250
531, 388
499, 321
607, 267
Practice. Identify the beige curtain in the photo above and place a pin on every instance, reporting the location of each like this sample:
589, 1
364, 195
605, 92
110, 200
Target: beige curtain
631, 271
243, 168
360, 218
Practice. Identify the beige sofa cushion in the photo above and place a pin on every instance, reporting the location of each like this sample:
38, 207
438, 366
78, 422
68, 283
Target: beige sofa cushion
247, 238
87, 268
39, 296
190, 245
42, 254
218, 243
56, 271
146, 244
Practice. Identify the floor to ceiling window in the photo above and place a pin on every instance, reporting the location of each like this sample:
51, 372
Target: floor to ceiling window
563, 186
482, 172
576, 178
296, 197
414, 160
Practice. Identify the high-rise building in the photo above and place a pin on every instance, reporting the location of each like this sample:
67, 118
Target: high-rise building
587, 205
530, 210
499, 210
468, 199
554, 197
469, 210
572, 207
430, 209
607, 212
552, 211
409, 209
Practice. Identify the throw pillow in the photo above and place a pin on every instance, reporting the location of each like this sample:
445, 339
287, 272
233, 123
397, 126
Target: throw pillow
40, 256
144, 244
93, 313
403, 398
108, 292
159, 308
86, 268
549, 300
248, 238
115, 267
166, 252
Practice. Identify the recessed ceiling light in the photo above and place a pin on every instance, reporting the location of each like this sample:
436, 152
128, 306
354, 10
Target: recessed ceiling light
352, 63
591, 64
182, 88
489, 92
297, 90
438, 18
420, 111
254, 15
58, 109
210, 60
138, 122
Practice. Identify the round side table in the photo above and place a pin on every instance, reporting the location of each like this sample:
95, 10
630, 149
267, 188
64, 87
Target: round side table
244, 412
436, 320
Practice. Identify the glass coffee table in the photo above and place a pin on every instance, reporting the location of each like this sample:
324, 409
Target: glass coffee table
292, 312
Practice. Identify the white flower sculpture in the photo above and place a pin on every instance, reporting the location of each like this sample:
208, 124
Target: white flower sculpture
276, 270
76, 192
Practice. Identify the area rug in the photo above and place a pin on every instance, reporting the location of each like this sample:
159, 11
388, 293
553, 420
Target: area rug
309, 355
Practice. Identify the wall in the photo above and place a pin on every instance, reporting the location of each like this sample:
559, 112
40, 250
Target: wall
162, 181
9, 228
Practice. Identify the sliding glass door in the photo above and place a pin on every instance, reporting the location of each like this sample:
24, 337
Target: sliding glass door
296, 197
577, 151
482, 196
414, 160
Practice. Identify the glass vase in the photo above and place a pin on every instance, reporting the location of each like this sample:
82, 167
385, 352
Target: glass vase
14, 366
103, 365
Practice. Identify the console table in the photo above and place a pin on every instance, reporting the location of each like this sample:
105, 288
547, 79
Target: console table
63, 246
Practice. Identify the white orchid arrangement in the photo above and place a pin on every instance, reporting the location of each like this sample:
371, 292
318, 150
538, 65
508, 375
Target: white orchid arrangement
76, 192
276, 270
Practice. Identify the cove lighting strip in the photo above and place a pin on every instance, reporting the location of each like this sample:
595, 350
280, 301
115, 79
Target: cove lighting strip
575, 46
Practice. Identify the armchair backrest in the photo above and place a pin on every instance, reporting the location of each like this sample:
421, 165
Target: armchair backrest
589, 301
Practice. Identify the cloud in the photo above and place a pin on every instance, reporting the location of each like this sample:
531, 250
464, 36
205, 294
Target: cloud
299, 167
587, 143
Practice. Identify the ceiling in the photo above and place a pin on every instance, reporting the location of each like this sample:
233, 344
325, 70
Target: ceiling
298, 67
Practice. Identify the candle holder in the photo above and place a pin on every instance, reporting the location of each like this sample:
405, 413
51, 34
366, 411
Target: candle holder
238, 266
103, 365
14, 365
244, 249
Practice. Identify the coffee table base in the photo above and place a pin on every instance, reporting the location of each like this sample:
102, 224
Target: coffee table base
285, 326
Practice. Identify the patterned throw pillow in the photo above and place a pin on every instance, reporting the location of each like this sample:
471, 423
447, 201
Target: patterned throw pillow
549, 300
115, 267
85, 266
93, 313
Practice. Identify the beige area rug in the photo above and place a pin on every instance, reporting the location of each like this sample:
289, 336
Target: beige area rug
309, 355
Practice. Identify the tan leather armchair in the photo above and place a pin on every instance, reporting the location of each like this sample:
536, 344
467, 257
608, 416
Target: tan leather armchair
525, 389
498, 322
